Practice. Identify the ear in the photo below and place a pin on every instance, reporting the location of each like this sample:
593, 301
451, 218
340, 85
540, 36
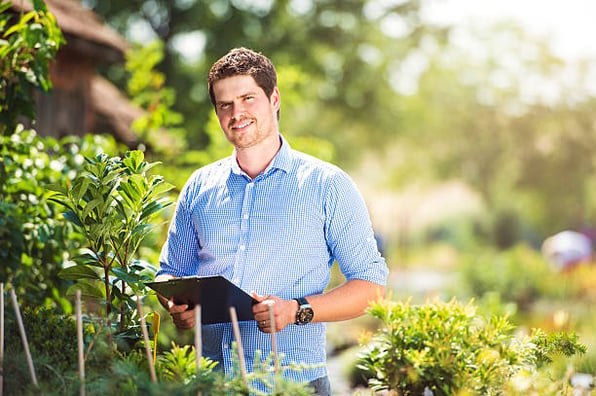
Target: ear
275, 98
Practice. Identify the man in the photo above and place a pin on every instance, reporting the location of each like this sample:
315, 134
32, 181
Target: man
273, 221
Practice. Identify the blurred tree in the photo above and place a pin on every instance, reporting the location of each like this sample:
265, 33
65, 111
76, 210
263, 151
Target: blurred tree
504, 121
348, 49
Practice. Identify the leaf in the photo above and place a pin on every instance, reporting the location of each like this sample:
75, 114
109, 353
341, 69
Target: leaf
134, 160
77, 272
90, 206
80, 188
88, 289
126, 276
88, 257
57, 200
5, 6
153, 207
59, 188
73, 218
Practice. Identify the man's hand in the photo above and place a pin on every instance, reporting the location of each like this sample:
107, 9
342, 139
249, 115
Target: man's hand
183, 317
284, 312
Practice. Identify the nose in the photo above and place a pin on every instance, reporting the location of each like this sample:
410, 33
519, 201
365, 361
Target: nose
237, 110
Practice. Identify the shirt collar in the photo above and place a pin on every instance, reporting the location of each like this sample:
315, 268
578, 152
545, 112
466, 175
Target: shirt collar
282, 160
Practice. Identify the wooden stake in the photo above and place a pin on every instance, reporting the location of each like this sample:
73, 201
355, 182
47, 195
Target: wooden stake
146, 338
80, 343
234, 318
198, 337
1, 338
198, 342
17, 312
273, 337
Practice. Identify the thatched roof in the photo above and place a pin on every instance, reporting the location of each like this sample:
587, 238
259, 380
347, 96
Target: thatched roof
89, 41
84, 31
113, 111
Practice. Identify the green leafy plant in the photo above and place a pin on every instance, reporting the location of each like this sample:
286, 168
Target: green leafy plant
487, 271
35, 239
26, 48
449, 349
112, 202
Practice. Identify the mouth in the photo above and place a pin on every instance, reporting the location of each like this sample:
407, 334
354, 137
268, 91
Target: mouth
241, 125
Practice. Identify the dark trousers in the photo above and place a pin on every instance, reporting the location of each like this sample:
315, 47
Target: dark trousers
322, 386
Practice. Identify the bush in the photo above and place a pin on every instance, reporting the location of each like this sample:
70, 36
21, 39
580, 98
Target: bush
52, 340
449, 349
519, 275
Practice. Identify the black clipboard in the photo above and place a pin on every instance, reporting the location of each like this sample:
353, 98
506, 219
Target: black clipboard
216, 295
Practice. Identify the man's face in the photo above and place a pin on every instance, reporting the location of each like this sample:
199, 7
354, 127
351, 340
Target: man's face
246, 115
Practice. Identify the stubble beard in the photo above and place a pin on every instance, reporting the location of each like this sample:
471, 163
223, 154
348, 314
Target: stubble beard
247, 139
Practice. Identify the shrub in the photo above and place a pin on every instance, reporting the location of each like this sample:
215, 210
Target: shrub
52, 341
112, 202
448, 348
35, 239
519, 275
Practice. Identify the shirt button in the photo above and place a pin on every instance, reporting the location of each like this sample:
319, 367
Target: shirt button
236, 280
242, 247
245, 217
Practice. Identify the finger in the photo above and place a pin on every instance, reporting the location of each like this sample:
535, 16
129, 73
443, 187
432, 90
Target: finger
257, 297
184, 320
173, 308
263, 326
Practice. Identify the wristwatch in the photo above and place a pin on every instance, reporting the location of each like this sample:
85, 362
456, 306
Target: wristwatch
305, 313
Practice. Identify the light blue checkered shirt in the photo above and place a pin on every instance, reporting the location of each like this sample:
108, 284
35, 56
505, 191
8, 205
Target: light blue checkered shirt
278, 234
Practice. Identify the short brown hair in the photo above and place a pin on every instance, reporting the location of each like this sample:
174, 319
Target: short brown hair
243, 61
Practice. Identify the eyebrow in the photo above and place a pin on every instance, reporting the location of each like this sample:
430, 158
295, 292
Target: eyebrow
244, 95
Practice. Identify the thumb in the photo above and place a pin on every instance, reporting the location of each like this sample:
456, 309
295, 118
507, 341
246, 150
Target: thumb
258, 297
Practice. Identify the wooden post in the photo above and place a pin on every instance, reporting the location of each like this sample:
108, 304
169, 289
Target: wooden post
80, 343
17, 312
198, 342
1, 338
198, 337
273, 337
146, 338
234, 318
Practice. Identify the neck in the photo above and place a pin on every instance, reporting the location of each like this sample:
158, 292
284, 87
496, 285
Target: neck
254, 160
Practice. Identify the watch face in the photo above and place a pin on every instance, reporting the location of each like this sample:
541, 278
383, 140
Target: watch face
305, 315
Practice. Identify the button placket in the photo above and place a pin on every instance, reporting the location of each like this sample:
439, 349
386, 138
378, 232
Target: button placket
244, 227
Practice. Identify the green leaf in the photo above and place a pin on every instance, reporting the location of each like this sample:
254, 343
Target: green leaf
127, 277
39, 5
87, 257
5, 6
77, 272
153, 207
80, 188
90, 206
134, 160
88, 289
57, 200
73, 218
59, 188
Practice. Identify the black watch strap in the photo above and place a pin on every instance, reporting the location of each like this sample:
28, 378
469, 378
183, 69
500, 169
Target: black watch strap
305, 313
301, 301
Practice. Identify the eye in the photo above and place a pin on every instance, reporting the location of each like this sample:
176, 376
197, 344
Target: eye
249, 98
223, 106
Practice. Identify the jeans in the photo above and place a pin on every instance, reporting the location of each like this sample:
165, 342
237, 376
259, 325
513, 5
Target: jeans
322, 386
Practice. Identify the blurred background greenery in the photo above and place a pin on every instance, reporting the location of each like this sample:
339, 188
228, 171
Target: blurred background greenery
469, 156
